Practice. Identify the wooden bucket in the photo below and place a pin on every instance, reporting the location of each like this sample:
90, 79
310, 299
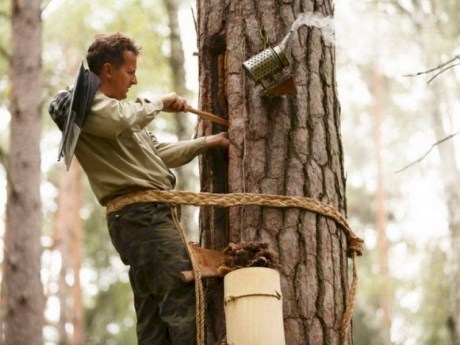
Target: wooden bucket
254, 307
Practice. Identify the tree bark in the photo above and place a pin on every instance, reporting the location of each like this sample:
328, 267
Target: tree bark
24, 292
285, 145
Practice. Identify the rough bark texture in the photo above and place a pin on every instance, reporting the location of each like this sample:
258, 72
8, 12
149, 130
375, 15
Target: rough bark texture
24, 293
286, 145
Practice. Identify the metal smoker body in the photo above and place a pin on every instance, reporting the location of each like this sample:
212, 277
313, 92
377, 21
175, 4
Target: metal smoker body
263, 66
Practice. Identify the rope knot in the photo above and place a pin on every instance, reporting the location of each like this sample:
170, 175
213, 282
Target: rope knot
355, 246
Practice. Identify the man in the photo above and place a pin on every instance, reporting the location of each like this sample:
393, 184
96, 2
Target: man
120, 156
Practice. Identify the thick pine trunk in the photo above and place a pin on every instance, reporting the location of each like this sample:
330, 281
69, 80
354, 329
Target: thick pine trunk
285, 145
24, 293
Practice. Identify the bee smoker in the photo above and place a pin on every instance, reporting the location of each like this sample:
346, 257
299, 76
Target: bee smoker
263, 67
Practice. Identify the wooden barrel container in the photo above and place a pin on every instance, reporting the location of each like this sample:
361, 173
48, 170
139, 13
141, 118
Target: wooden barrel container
254, 307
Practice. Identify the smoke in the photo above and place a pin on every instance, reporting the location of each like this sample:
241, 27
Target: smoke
325, 24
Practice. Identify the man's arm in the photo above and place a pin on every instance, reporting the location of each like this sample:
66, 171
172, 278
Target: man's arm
182, 152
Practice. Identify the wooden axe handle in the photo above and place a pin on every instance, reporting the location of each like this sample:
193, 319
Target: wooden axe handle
209, 116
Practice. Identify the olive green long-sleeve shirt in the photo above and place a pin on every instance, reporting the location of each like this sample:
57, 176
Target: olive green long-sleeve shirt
119, 154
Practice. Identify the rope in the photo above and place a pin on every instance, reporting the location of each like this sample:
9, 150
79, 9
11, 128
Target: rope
231, 298
350, 306
199, 292
174, 198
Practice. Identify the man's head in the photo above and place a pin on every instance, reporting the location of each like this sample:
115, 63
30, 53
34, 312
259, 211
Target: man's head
113, 57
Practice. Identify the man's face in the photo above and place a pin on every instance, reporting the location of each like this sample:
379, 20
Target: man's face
122, 78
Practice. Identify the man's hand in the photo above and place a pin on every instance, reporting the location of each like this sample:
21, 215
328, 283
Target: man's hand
217, 141
173, 103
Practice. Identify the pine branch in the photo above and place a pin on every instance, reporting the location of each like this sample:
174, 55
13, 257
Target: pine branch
442, 71
441, 68
427, 152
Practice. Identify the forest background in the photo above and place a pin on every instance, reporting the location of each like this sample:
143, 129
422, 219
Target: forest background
390, 119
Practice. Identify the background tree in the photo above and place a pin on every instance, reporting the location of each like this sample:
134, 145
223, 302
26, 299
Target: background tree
185, 125
286, 145
24, 302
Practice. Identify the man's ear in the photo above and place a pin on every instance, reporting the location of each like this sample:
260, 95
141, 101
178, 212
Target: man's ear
106, 70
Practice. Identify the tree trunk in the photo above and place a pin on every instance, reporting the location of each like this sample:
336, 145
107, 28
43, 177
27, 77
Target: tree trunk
68, 240
76, 240
450, 182
380, 203
24, 292
448, 169
284, 145
182, 124
61, 245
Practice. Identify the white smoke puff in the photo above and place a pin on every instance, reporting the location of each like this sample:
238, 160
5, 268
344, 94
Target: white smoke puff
325, 24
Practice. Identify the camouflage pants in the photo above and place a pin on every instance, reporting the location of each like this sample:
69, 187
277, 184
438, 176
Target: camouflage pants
147, 240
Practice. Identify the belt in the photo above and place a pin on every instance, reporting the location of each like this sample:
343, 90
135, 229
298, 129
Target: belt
129, 198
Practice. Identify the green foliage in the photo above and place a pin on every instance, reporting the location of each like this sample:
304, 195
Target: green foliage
67, 38
112, 319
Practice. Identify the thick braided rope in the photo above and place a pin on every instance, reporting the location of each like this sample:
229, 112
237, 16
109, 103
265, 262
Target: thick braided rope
355, 243
174, 197
199, 292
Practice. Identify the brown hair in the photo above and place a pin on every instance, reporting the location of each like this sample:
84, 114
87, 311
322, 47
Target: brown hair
109, 48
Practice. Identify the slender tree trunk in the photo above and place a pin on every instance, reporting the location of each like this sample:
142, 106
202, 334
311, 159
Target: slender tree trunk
450, 181
448, 171
61, 245
285, 145
76, 240
380, 204
24, 292
183, 129
68, 240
